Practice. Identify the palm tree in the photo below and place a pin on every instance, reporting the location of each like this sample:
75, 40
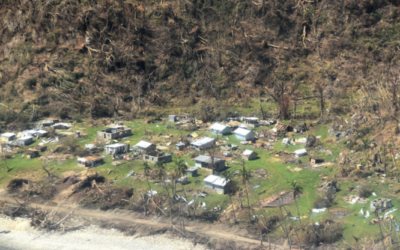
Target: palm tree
180, 166
245, 175
146, 168
229, 176
297, 190
161, 169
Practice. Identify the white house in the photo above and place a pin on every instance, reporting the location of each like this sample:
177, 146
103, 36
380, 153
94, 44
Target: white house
244, 134
216, 183
203, 143
220, 129
26, 140
117, 148
300, 152
144, 146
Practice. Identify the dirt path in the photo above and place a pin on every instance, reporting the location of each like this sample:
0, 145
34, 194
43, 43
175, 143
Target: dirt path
214, 232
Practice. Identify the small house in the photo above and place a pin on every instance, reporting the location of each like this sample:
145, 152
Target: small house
316, 160
380, 203
180, 146
116, 148
191, 172
216, 183
90, 161
244, 134
157, 156
172, 118
144, 146
252, 121
30, 154
203, 143
35, 133
114, 132
7, 137
26, 140
61, 125
41, 148
249, 155
220, 129
283, 127
300, 152
205, 161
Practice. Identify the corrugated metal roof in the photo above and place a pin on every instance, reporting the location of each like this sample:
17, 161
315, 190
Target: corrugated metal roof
6, 135
207, 159
242, 131
247, 152
143, 144
300, 151
216, 180
217, 126
203, 141
211, 178
116, 145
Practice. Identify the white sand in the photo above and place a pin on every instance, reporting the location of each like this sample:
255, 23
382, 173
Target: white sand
23, 236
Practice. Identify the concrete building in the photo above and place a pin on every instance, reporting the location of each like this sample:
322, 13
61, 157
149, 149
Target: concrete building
203, 143
144, 146
205, 161
116, 148
249, 155
220, 129
300, 152
156, 156
191, 172
7, 137
90, 161
216, 183
381, 203
115, 132
24, 141
244, 134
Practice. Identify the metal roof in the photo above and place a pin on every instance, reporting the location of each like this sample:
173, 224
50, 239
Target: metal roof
203, 141
25, 138
116, 145
247, 152
219, 127
216, 180
242, 131
207, 159
143, 144
252, 118
6, 135
300, 151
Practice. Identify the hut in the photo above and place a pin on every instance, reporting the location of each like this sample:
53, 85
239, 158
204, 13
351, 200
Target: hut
249, 155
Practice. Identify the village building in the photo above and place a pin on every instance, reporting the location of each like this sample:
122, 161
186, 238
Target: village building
220, 129
49, 121
24, 141
300, 128
172, 118
7, 137
144, 146
41, 148
116, 148
300, 152
203, 143
30, 154
380, 203
283, 127
114, 132
157, 156
244, 134
316, 160
216, 183
252, 121
191, 172
180, 146
90, 161
61, 125
205, 161
249, 155
35, 133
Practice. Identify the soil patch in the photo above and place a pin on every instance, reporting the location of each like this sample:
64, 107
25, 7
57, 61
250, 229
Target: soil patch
284, 198
339, 213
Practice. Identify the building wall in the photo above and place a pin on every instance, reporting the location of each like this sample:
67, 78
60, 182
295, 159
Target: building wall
155, 159
111, 136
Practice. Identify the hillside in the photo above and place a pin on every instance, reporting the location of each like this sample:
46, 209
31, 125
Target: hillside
109, 58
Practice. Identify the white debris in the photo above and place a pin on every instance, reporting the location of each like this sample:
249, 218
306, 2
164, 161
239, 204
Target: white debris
319, 210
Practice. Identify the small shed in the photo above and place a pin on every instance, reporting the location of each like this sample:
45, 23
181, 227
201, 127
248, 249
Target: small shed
253, 121
249, 155
157, 156
220, 129
216, 183
90, 161
180, 146
203, 143
30, 154
191, 172
205, 161
144, 146
316, 160
300, 152
244, 134
26, 140
116, 148
172, 118
7, 137
41, 148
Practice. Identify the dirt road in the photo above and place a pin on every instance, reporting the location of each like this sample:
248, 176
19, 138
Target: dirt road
208, 230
